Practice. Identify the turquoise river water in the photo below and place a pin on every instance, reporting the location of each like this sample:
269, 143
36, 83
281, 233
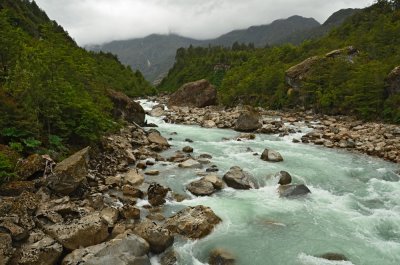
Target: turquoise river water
354, 207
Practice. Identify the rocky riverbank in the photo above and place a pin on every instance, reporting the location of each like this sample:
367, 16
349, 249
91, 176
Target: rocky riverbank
371, 138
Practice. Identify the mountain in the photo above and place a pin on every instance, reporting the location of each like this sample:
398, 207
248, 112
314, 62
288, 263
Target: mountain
267, 34
351, 70
336, 19
154, 55
53, 94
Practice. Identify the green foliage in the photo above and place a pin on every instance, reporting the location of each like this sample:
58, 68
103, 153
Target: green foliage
341, 85
53, 93
6, 169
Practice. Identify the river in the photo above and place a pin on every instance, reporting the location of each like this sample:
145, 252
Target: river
354, 207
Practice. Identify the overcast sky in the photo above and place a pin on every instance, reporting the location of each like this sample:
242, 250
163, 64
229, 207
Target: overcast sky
98, 21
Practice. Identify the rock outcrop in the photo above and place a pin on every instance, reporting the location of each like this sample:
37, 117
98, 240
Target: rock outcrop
196, 94
393, 82
125, 108
299, 73
193, 222
70, 173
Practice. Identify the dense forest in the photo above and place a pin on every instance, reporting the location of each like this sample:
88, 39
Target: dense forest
334, 85
53, 93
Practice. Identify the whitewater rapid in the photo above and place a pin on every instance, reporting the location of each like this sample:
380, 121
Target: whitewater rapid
354, 208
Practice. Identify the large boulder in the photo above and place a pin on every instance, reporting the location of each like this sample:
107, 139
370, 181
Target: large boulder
196, 94
393, 82
248, 121
237, 178
155, 137
70, 173
158, 237
125, 108
38, 250
289, 191
271, 156
201, 187
193, 222
125, 249
87, 231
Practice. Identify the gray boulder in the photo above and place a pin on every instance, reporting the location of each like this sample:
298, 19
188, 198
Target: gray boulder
70, 173
238, 179
198, 94
87, 231
248, 121
271, 156
293, 190
158, 237
125, 249
193, 222
201, 187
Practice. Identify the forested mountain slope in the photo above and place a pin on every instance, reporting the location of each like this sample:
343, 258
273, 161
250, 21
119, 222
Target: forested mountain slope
334, 84
53, 93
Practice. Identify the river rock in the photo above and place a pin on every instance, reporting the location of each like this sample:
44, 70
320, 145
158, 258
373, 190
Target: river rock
110, 216
215, 181
133, 178
248, 121
187, 149
334, 256
158, 237
17, 232
208, 124
238, 179
284, 178
170, 257
221, 257
157, 111
6, 249
125, 108
33, 165
201, 188
70, 173
86, 231
193, 222
125, 249
156, 138
130, 212
195, 94
39, 250
190, 163
156, 194
293, 190
271, 156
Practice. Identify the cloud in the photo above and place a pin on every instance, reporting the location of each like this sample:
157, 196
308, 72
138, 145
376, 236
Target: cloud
98, 21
